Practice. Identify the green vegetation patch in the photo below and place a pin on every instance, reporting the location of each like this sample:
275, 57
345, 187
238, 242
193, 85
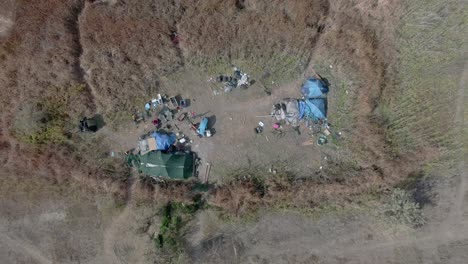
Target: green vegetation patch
49, 119
174, 216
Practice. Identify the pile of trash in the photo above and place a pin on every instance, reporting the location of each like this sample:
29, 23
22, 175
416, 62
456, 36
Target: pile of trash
239, 79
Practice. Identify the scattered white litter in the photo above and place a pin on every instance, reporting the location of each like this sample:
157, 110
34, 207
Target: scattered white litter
53, 216
331, 66
261, 124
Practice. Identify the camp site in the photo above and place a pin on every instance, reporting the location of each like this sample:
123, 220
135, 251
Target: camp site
233, 131
182, 140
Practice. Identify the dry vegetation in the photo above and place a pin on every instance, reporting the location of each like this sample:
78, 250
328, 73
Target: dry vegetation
88, 51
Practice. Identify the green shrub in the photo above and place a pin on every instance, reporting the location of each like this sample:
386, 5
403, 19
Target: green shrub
47, 120
175, 216
402, 209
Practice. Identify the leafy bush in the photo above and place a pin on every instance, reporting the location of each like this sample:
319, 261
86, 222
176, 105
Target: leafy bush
47, 120
402, 209
175, 216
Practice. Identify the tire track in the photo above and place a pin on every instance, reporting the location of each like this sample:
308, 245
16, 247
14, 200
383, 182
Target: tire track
458, 210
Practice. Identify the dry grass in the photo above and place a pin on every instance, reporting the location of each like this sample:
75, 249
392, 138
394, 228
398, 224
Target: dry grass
420, 112
124, 50
213, 33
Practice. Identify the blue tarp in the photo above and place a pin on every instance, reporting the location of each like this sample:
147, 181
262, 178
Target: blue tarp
314, 109
313, 88
202, 126
163, 140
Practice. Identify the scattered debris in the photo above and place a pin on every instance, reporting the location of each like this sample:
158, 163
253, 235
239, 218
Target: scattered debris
207, 172
239, 79
137, 117
182, 117
175, 38
258, 129
175, 101
165, 115
203, 128
88, 124
156, 123
183, 103
322, 140
278, 133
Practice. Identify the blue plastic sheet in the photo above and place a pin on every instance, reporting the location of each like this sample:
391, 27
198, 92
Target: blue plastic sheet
314, 109
313, 88
202, 126
163, 140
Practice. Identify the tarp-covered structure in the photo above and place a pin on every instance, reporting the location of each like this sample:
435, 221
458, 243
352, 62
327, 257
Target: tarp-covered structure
313, 106
164, 140
156, 141
314, 88
169, 165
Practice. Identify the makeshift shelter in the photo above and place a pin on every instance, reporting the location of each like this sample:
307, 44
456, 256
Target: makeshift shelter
156, 141
313, 106
170, 165
146, 145
314, 109
163, 140
314, 88
287, 110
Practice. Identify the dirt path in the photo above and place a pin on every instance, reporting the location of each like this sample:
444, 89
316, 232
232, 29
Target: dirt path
22, 247
456, 213
112, 232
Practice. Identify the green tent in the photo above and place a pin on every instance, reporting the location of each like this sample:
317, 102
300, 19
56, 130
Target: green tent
174, 166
